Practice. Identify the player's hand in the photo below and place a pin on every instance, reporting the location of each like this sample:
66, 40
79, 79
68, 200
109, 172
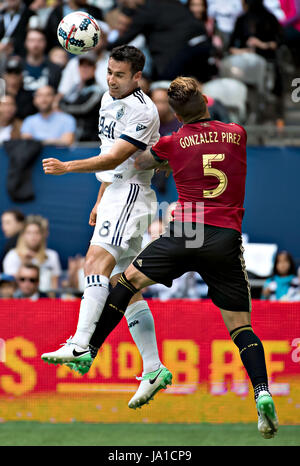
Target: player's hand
166, 170
93, 216
54, 167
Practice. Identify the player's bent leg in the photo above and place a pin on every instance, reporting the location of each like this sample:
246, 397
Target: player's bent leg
141, 325
99, 259
233, 319
94, 297
252, 355
114, 309
137, 278
155, 375
106, 325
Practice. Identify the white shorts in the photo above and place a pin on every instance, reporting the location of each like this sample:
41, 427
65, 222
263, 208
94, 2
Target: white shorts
124, 214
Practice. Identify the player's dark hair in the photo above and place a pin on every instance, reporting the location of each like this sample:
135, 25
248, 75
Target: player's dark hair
186, 99
129, 54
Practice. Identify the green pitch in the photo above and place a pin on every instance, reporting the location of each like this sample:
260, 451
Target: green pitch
81, 434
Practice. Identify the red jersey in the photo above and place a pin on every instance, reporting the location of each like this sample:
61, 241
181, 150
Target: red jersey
208, 159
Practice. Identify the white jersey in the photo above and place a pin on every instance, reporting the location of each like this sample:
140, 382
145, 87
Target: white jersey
135, 119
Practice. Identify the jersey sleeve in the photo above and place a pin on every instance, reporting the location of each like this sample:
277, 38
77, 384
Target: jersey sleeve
139, 128
161, 150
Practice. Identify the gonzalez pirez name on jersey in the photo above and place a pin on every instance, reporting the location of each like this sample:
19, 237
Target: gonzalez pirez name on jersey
209, 137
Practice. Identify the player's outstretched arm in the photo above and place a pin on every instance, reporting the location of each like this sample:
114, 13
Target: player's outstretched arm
119, 152
146, 161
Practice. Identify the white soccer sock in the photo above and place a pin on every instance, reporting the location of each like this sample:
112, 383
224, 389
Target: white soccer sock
141, 325
91, 307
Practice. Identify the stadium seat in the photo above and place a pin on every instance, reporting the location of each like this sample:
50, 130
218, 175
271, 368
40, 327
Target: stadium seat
232, 94
248, 68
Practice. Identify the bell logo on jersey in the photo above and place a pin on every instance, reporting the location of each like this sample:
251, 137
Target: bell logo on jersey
139, 127
107, 130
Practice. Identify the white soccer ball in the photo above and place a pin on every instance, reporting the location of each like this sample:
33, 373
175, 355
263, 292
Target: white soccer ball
78, 32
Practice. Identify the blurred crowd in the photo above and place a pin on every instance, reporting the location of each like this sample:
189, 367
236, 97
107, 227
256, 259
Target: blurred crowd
30, 269
239, 50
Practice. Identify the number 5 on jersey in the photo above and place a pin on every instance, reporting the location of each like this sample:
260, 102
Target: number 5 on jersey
208, 170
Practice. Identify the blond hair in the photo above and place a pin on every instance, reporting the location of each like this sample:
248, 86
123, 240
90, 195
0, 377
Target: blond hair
22, 249
186, 99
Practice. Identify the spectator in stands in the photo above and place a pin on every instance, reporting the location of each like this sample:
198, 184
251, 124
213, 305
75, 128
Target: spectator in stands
28, 280
159, 95
32, 247
224, 15
59, 56
199, 9
275, 7
168, 124
42, 10
48, 125
291, 28
7, 286
14, 85
73, 284
277, 286
12, 223
61, 10
258, 31
38, 70
9, 124
168, 26
83, 101
14, 18
293, 293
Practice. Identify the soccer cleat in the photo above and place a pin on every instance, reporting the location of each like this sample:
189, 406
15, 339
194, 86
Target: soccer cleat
267, 417
81, 366
69, 352
150, 384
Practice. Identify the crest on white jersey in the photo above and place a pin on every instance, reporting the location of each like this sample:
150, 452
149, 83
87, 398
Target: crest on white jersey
120, 113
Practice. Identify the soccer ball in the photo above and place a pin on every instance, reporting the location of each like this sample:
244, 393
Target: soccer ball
78, 32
